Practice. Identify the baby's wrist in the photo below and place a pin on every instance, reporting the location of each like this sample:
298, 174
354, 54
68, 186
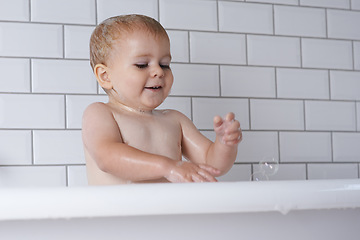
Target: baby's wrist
167, 166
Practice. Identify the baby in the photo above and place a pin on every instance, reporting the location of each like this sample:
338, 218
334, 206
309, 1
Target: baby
127, 140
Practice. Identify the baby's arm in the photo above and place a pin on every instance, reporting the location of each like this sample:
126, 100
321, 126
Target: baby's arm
220, 154
102, 139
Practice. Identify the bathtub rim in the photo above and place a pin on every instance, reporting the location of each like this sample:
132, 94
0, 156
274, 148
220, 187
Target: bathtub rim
192, 198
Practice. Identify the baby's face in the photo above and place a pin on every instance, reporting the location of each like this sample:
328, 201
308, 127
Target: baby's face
139, 69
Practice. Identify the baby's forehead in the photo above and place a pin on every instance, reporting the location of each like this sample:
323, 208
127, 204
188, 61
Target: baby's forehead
122, 38
123, 33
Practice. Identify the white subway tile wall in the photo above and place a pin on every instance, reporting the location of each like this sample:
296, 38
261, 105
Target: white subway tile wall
65, 11
299, 21
273, 51
356, 55
288, 69
355, 4
245, 17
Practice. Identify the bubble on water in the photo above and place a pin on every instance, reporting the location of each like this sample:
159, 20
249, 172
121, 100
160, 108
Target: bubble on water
268, 166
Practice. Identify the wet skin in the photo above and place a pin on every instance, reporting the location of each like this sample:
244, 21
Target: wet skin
127, 140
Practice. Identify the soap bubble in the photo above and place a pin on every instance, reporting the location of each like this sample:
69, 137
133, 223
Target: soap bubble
268, 166
259, 176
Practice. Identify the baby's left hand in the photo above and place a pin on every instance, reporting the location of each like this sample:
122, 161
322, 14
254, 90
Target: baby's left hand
228, 129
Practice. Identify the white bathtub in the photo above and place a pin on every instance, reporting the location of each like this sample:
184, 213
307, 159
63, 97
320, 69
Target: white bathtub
288, 210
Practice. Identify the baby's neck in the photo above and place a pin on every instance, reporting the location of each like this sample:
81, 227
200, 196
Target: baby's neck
132, 110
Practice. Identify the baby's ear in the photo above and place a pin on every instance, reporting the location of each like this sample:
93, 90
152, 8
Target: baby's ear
102, 76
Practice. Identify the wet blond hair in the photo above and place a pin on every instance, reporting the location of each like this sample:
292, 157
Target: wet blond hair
111, 29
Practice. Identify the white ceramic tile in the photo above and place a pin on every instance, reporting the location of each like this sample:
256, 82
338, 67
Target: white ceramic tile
256, 146
247, 81
320, 53
245, 17
31, 176
15, 10
62, 76
284, 172
205, 109
302, 83
358, 115
15, 75
64, 11
299, 21
75, 106
31, 111
273, 51
357, 55
342, 24
77, 176
110, 8
15, 147
287, 2
173, 12
326, 115
327, 3
345, 85
195, 79
181, 104
305, 147
217, 48
179, 46
332, 171
346, 147
77, 41
237, 173
42, 40
355, 4
58, 147
276, 114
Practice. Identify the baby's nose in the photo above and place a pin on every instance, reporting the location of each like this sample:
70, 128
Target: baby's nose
157, 71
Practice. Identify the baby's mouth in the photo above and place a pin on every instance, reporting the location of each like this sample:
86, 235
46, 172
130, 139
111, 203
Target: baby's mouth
154, 87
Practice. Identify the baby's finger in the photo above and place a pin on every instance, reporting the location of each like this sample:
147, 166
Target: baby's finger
217, 121
232, 136
232, 140
233, 127
207, 176
198, 178
230, 116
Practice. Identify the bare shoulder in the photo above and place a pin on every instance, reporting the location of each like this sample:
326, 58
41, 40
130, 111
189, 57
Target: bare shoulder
95, 108
98, 123
185, 123
174, 114
96, 113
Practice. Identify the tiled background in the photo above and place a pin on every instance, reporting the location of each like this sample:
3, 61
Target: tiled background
289, 69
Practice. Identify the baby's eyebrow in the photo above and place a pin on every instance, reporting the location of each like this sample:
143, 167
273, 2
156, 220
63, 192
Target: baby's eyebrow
149, 55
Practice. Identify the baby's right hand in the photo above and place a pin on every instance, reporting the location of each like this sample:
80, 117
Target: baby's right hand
190, 172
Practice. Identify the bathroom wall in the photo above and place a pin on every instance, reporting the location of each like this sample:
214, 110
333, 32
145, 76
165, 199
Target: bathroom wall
288, 69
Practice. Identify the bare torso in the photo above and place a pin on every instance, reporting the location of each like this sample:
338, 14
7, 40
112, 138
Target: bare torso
158, 133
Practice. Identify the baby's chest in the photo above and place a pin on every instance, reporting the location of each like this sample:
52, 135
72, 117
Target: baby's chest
155, 136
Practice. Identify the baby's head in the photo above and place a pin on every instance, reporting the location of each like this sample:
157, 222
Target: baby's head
115, 28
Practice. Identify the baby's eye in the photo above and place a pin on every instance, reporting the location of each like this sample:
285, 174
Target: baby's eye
142, 65
165, 66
